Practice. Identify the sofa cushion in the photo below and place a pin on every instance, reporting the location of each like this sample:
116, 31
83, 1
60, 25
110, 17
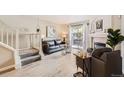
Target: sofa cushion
58, 42
98, 52
51, 43
103, 57
112, 54
53, 47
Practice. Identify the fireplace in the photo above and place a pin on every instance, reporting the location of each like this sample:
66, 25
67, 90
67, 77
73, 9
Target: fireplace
98, 40
99, 45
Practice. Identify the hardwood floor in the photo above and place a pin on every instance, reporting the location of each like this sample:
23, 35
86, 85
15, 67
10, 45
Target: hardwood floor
54, 65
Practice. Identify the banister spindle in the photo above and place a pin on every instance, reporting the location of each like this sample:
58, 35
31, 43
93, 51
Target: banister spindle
7, 37
12, 39
17, 39
1, 35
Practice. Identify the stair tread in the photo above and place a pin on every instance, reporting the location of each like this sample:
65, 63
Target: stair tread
27, 51
31, 57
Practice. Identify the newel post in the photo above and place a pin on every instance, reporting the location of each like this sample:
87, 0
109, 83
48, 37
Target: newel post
17, 57
17, 40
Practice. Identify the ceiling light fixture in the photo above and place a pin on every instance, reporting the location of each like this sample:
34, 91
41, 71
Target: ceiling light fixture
38, 25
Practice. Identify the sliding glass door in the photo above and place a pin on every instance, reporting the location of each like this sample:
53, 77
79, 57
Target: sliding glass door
77, 36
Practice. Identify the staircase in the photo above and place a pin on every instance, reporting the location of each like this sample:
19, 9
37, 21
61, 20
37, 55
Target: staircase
29, 55
9, 41
9, 37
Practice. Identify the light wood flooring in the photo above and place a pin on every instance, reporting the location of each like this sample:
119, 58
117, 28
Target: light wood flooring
54, 65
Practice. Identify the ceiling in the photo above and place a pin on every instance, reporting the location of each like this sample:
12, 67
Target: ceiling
63, 19
57, 19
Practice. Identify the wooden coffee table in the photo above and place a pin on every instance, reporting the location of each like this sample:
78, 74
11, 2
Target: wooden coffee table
84, 63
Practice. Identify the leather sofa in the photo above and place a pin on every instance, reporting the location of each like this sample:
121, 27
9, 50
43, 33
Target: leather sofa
51, 46
106, 63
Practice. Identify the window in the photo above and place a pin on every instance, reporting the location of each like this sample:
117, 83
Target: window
77, 35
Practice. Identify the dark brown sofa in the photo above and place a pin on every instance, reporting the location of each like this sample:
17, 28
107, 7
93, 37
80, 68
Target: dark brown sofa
106, 62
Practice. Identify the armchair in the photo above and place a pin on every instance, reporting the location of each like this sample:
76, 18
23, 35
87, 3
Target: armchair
106, 62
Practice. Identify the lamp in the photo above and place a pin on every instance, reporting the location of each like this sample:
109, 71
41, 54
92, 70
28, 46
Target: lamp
64, 35
42, 36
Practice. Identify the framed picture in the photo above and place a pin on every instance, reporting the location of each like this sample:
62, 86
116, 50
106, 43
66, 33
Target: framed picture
50, 32
99, 25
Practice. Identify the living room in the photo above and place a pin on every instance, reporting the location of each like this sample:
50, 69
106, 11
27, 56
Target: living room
66, 34
67, 46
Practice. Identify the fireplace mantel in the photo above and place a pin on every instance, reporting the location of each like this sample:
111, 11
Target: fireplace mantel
98, 37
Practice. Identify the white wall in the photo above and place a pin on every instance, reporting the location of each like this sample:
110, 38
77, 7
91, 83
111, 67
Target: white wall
6, 57
122, 45
106, 20
107, 23
16, 21
116, 21
58, 27
29, 23
116, 24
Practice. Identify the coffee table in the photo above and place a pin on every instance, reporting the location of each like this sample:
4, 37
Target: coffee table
66, 50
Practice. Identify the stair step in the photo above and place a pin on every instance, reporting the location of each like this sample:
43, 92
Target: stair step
28, 52
30, 59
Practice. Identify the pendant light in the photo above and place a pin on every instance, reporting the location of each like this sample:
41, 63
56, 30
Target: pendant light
38, 26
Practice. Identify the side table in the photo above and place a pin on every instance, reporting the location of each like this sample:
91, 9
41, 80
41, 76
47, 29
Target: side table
84, 64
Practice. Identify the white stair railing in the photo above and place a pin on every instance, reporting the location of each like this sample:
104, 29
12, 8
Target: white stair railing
10, 37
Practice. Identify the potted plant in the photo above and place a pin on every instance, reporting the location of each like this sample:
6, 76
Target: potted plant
114, 38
